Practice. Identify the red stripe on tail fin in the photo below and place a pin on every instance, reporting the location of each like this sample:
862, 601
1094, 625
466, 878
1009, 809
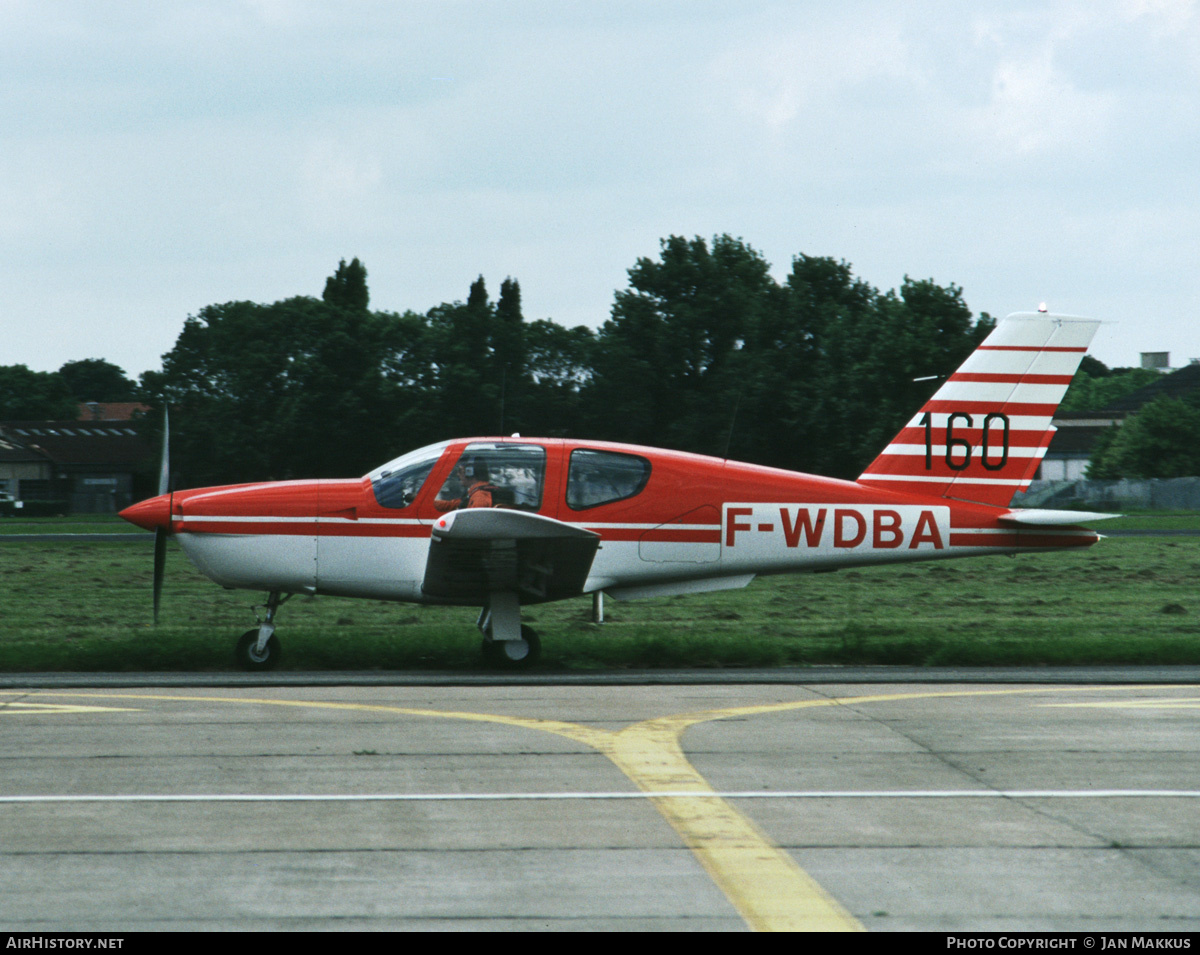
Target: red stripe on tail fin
983, 434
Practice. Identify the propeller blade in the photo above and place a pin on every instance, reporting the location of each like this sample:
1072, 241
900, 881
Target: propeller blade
160, 534
164, 470
160, 563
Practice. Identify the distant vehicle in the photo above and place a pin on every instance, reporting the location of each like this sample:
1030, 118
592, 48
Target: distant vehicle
503, 522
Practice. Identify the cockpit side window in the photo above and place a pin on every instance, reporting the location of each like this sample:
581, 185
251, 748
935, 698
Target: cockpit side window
397, 485
495, 475
601, 477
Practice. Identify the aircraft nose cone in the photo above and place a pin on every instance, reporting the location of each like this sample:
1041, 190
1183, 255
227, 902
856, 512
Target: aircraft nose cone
151, 514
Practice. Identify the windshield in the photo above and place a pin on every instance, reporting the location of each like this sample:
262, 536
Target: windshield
397, 483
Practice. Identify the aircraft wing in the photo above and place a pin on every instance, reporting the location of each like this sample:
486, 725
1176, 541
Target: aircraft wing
480, 551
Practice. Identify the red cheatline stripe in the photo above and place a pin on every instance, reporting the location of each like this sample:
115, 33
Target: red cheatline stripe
368, 530
660, 535
268, 528
244, 528
966, 521
1032, 348
1021, 540
250, 528
1013, 379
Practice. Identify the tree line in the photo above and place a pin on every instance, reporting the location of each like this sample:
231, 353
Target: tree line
704, 351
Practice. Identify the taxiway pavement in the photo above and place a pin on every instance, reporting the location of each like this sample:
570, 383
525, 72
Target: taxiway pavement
947, 807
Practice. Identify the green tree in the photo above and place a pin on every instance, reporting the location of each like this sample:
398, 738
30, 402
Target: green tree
559, 362
1096, 386
297, 388
466, 387
833, 374
801, 376
704, 351
883, 362
347, 287
507, 358
666, 364
27, 395
1161, 441
94, 379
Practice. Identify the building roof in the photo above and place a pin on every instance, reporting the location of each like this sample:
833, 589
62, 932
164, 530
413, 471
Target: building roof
1175, 385
111, 410
1078, 431
14, 452
111, 444
1075, 441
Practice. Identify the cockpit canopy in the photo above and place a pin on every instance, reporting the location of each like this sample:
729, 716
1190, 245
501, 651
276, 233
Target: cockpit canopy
510, 474
396, 483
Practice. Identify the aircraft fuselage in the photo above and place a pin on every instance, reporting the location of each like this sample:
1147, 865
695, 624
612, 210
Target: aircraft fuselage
695, 517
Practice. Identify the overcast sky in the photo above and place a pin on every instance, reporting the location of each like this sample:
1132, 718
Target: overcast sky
158, 157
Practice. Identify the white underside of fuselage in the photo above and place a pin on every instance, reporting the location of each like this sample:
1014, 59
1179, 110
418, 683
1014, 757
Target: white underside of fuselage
382, 568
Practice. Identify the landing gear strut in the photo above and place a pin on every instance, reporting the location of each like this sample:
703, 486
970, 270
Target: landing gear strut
506, 641
258, 649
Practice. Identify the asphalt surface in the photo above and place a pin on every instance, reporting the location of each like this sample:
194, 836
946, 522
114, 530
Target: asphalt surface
152, 804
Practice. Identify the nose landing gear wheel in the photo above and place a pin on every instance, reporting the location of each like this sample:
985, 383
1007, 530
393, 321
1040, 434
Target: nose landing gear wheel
248, 658
513, 654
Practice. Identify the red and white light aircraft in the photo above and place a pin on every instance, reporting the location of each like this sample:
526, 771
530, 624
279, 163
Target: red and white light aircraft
501, 522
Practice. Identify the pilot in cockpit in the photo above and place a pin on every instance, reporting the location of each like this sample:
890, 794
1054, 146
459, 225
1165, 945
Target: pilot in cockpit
469, 480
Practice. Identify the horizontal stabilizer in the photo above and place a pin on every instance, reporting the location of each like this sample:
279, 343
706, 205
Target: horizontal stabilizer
1041, 518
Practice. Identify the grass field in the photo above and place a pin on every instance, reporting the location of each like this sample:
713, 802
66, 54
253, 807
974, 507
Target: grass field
1156, 521
71, 605
89, 524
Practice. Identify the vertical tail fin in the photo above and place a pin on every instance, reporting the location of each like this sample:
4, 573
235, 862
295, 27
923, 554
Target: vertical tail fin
982, 436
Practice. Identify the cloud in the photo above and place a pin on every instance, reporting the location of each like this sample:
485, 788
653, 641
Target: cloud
1035, 108
158, 157
781, 78
337, 180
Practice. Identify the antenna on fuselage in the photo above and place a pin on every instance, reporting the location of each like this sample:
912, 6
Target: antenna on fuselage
732, 421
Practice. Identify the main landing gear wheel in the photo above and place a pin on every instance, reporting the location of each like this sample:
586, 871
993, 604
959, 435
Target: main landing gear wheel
513, 654
249, 658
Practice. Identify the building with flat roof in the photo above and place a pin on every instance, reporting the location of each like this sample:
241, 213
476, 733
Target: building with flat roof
81, 467
1070, 451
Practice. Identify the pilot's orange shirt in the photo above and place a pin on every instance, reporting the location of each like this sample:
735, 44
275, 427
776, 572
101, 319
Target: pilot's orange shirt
479, 494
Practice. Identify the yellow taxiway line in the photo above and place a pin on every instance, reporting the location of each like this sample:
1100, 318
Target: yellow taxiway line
763, 882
